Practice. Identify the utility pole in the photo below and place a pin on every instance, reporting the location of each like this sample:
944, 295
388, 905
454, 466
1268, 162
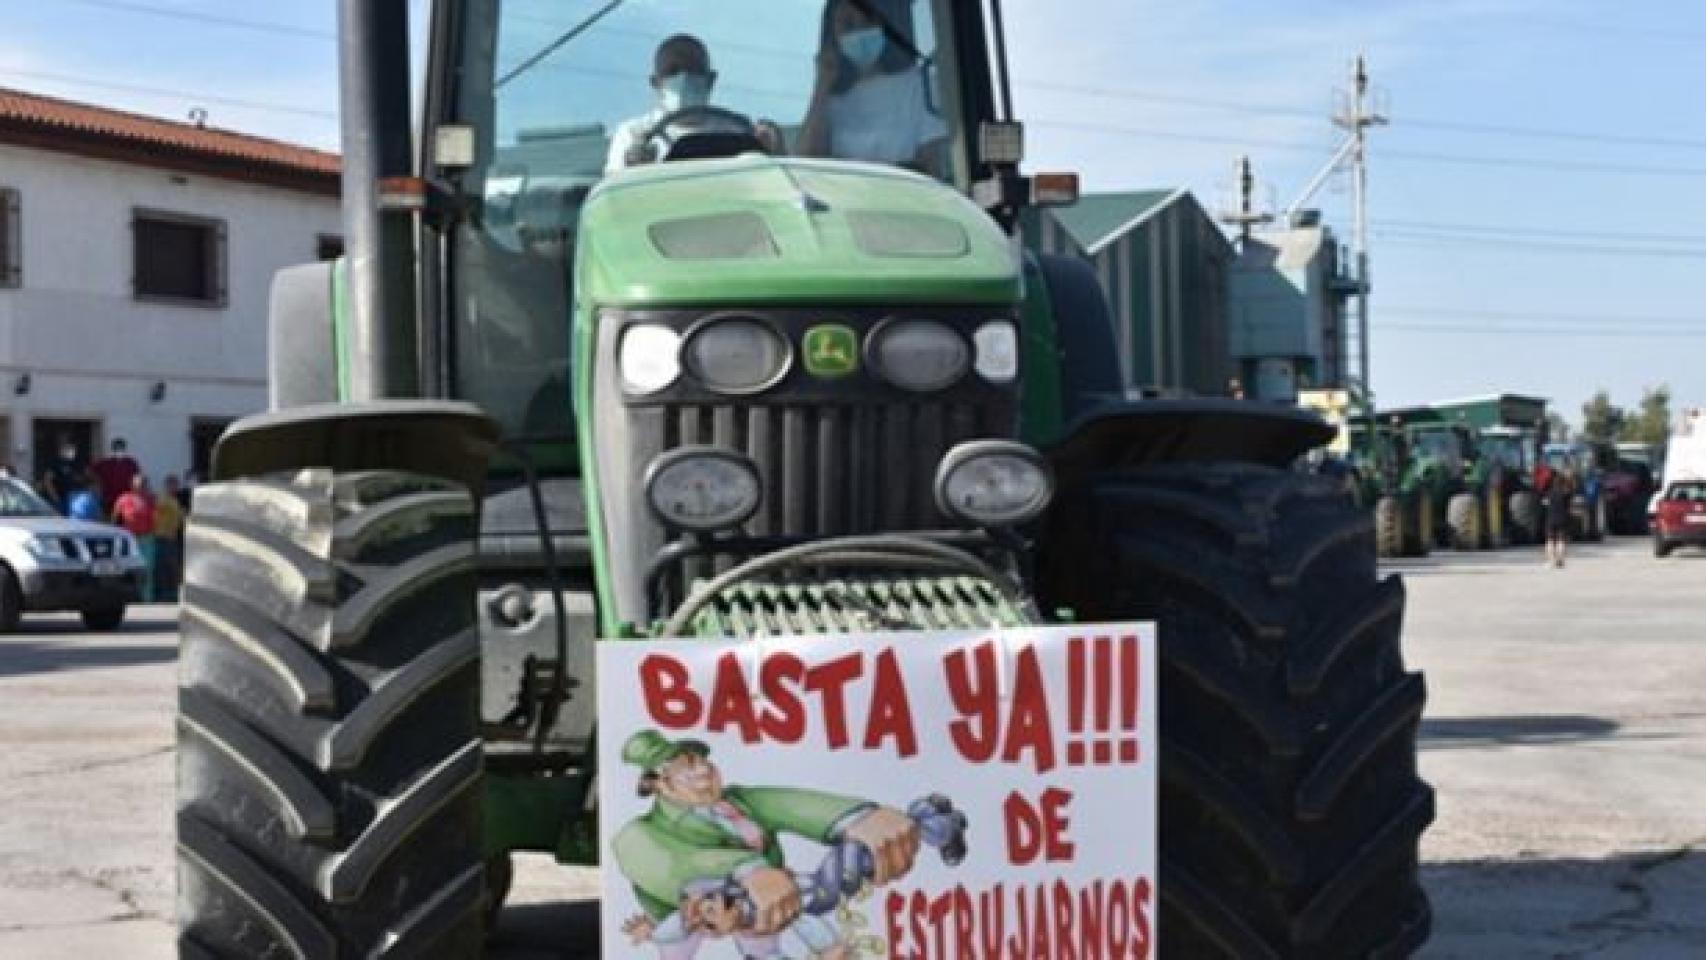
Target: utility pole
1357, 116
1245, 215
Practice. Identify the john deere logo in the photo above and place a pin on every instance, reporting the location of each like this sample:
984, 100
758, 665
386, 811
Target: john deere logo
832, 350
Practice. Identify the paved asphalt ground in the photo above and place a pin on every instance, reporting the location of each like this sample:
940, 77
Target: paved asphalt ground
1566, 736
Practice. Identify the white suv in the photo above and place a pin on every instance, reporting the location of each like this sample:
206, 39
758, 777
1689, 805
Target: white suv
48, 562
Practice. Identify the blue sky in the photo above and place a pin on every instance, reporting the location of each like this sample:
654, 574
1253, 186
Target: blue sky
1503, 260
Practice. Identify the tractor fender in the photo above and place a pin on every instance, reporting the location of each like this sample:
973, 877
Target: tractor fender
1144, 433
452, 441
1087, 352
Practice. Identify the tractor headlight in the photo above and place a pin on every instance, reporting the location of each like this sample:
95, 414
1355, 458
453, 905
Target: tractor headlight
920, 355
993, 483
703, 489
649, 358
997, 345
737, 355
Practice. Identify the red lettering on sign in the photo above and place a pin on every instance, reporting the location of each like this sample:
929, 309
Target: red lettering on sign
1038, 830
664, 685
731, 701
1028, 729
976, 735
891, 715
829, 680
784, 717
974, 688
1140, 893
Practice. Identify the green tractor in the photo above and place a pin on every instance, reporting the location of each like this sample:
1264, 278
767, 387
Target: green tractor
1514, 450
1385, 482
1461, 485
732, 371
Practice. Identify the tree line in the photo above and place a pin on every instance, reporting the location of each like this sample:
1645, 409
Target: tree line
1650, 422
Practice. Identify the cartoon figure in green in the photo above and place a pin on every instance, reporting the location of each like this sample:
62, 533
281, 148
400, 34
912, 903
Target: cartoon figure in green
701, 830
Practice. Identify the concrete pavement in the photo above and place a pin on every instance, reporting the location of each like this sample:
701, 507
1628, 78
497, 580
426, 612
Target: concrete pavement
1566, 736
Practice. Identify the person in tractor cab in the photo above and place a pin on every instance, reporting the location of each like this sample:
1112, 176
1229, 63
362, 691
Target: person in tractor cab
872, 98
683, 80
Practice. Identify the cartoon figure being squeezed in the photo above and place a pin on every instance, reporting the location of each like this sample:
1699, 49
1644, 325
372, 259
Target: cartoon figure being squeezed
706, 863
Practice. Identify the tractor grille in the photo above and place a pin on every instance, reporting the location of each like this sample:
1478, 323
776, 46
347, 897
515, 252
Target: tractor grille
100, 548
838, 606
838, 469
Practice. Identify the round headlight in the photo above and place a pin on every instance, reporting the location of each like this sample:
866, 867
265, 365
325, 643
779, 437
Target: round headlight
703, 489
920, 355
737, 356
993, 483
997, 351
649, 358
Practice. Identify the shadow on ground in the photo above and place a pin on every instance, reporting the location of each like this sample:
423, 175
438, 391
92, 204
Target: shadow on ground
20, 657
1523, 730
1638, 905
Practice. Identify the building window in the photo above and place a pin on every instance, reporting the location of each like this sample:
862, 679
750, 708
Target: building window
328, 247
179, 258
11, 239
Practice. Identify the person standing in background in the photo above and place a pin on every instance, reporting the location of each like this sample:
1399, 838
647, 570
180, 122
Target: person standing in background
63, 474
1560, 490
134, 511
85, 502
116, 472
168, 540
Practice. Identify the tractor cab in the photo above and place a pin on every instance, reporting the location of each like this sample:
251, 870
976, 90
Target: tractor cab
722, 135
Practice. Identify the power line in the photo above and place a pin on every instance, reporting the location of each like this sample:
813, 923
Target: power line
1540, 246
212, 19
1286, 110
1505, 230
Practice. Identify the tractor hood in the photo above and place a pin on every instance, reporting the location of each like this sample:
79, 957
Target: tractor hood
763, 230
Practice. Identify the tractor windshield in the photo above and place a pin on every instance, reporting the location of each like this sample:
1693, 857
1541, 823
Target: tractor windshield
564, 93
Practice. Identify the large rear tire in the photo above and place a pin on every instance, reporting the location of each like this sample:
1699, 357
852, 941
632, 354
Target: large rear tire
1525, 517
329, 758
1290, 802
1389, 527
1420, 538
1463, 515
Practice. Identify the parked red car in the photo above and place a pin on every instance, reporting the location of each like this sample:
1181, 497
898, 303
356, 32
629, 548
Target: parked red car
1681, 518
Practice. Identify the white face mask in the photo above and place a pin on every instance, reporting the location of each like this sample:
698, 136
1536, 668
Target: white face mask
684, 91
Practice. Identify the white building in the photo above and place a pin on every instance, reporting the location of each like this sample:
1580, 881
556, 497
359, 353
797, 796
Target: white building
136, 257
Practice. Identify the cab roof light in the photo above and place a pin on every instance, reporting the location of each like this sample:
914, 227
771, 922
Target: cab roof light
1001, 144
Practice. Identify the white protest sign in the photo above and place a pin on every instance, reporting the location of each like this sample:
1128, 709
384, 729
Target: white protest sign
916, 795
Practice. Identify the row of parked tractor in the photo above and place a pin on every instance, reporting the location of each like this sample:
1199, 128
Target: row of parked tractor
1473, 475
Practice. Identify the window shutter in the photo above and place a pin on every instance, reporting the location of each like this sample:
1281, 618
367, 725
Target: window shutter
11, 239
219, 263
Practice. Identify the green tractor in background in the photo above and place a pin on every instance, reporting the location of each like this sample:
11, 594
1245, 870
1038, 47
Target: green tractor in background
1386, 482
1462, 486
1515, 451
596, 371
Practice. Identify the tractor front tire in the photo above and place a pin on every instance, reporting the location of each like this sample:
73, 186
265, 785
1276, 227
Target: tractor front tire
1525, 517
1290, 803
1389, 527
1463, 515
1420, 539
329, 759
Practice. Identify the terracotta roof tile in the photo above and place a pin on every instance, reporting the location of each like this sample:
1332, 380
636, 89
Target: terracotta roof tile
32, 110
